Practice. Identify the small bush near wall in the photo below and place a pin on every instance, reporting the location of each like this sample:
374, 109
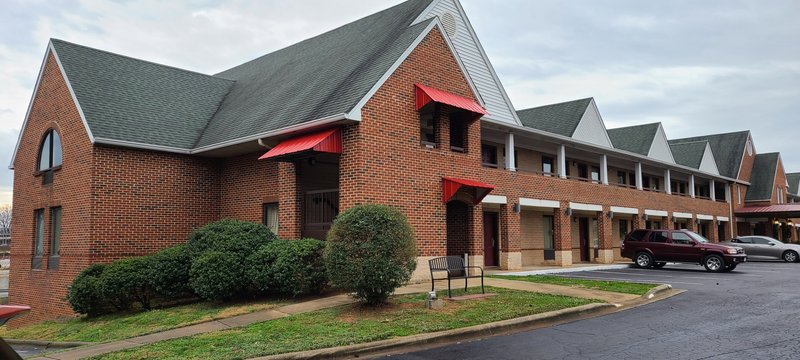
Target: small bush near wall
170, 276
370, 252
234, 236
290, 267
127, 281
84, 295
217, 276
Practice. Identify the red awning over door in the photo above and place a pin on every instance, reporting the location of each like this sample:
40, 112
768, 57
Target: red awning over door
328, 141
426, 94
475, 190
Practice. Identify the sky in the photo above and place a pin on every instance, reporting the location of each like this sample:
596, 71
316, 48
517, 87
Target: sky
699, 67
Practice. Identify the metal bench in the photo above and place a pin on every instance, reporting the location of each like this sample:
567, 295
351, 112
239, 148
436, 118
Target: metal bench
454, 266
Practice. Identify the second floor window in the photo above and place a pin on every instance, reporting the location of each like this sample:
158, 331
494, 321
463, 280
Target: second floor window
38, 238
49, 155
595, 174
489, 155
457, 135
427, 126
547, 165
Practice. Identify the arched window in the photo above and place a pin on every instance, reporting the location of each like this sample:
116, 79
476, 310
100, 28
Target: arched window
49, 155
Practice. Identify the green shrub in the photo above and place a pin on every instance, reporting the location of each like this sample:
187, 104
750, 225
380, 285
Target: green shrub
84, 294
217, 275
291, 267
170, 276
126, 281
235, 236
370, 252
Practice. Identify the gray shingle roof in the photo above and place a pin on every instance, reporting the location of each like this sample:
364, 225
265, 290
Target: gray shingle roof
794, 180
562, 118
689, 153
762, 179
728, 149
128, 99
138, 101
319, 77
636, 139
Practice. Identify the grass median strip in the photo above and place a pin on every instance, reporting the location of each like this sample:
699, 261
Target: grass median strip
352, 324
127, 325
613, 286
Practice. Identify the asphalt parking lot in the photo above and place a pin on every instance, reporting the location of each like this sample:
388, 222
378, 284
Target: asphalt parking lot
750, 313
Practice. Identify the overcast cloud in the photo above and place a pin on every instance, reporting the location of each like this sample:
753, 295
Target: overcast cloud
697, 66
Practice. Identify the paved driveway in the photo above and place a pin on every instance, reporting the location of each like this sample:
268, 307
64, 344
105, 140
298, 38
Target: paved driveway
751, 313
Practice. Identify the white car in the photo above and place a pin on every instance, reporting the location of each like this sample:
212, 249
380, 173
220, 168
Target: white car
764, 247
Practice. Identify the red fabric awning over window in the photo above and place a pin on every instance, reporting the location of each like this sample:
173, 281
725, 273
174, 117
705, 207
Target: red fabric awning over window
328, 141
475, 189
426, 94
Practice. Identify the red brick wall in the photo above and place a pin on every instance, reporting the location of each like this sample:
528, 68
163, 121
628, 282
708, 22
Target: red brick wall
245, 184
43, 289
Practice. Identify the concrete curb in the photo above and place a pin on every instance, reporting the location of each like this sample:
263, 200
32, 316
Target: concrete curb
657, 291
45, 343
477, 330
567, 270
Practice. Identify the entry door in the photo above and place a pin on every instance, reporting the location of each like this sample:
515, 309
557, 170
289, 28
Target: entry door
583, 234
490, 239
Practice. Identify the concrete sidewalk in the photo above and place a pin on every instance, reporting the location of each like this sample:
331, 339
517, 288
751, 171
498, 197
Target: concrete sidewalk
319, 304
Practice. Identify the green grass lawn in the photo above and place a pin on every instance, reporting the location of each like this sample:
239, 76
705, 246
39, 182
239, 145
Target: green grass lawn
351, 324
614, 286
122, 326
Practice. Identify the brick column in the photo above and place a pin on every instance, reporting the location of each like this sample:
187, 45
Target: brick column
605, 234
290, 202
636, 222
562, 242
476, 236
691, 224
510, 239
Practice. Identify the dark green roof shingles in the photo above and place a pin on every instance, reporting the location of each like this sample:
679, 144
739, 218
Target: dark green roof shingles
689, 154
636, 139
794, 181
562, 118
728, 150
762, 179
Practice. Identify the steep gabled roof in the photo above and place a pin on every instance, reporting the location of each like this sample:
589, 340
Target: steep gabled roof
562, 118
728, 150
316, 78
762, 180
794, 182
128, 99
689, 153
636, 139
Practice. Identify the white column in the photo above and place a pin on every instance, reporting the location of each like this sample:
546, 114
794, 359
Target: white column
712, 190
638, 169
691, 185
667, 182
604, 169
510, 156
562, 161
727, 192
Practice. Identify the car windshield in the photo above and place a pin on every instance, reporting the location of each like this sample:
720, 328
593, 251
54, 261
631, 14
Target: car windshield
697, 237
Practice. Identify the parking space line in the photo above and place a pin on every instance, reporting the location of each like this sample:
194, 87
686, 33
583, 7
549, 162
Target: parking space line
616, 273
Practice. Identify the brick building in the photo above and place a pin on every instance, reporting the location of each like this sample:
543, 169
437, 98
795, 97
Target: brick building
121, 157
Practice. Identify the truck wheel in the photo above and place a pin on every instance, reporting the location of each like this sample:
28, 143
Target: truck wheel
714, 263
643, 260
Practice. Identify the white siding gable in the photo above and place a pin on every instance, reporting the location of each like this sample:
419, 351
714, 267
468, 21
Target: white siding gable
591, 128
708, 163
471, 53
660, 149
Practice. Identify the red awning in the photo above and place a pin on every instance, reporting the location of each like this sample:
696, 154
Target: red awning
328, 141
782, 210
427, 94
7, 312
476, 190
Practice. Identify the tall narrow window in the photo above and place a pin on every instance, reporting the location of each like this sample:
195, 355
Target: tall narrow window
55, 238
623, 229
269, 216
549, 248
427, 126
38, 238
622, 178
595, 174
49, 155
583, 171
457, 134
547, 165
489, 155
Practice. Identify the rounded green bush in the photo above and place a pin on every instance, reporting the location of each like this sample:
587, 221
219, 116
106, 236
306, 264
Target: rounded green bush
371, 252
235, 236
170, 276
126, 281
84, 294
217, 275
291, 267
